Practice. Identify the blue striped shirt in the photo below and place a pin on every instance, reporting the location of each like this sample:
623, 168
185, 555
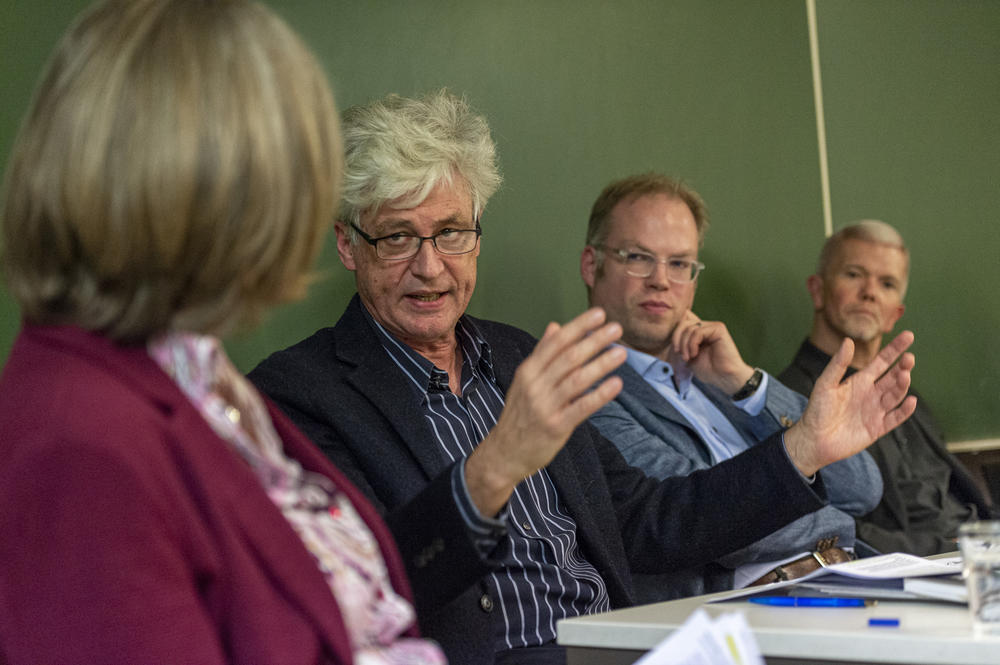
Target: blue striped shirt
544, 576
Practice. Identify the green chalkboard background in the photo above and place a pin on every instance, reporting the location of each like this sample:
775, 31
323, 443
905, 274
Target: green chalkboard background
720, 93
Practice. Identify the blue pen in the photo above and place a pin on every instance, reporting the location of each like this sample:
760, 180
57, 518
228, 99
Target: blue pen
802, 601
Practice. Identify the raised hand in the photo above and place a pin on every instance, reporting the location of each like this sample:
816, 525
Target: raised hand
552, 393
845, 417
708, 349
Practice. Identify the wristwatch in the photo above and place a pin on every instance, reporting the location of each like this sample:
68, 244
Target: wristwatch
751, 386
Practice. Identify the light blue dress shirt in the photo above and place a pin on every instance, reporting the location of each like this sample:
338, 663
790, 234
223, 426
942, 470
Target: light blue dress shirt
718, 433
675, 385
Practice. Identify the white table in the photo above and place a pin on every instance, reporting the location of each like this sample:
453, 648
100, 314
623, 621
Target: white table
928, 633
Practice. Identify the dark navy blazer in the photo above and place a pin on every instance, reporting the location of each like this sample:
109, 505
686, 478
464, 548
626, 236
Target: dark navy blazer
341, 388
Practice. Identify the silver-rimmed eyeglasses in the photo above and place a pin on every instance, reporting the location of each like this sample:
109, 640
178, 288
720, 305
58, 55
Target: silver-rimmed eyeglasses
641, 264
398, 246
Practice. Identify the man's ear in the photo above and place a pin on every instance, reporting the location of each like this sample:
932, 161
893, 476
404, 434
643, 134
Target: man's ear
897, 315
815, 285
588, 266
344, 247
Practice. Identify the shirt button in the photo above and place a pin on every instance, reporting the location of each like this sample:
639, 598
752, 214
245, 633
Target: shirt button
486, 603
527, 527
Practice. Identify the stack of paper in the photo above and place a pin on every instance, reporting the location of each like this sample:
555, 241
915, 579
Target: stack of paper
701, 640
945, 587
889, 576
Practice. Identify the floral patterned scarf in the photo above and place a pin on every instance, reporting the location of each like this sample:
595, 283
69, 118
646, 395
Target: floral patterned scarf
330, 528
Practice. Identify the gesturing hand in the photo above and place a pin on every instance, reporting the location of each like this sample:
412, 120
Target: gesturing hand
845, 417
709, 350
552, 393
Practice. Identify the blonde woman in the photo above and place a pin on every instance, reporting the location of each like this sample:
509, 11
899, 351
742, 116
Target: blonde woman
174, 177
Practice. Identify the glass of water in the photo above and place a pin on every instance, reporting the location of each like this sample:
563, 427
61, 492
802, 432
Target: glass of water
980, 545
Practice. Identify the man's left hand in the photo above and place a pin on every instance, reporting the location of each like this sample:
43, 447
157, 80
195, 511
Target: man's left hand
845, 417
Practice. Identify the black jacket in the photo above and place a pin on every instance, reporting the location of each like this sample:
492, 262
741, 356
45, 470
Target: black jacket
889, 528
341, 388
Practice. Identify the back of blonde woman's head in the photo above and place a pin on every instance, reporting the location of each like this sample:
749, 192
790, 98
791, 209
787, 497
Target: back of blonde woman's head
178, 169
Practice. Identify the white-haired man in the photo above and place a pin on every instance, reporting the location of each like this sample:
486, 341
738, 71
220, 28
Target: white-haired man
465, 432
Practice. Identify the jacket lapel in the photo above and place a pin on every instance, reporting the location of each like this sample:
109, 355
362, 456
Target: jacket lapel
379, 379
299, 448
651, 409
265, 531
638, 389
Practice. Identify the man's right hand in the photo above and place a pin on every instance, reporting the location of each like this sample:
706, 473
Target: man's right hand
552, 393
709, 351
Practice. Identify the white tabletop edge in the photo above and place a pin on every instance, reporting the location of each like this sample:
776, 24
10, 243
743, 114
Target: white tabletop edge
929, 633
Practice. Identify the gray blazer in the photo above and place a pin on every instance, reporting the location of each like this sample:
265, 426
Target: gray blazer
653, 436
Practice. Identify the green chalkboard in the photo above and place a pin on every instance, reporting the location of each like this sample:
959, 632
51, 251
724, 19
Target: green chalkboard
913, 118
719, 93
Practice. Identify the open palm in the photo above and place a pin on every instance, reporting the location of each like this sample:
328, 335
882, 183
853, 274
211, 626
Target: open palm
845, 417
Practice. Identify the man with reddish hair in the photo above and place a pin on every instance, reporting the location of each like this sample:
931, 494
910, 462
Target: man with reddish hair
689, 400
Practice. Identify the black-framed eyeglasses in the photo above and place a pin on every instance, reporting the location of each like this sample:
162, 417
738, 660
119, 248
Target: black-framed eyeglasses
398, 246
641, 264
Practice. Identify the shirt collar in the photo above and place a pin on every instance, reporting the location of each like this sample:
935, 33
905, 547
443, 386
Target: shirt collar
193, 361
677, 376
476, 352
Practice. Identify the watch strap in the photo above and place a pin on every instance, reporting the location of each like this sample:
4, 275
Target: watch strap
751, 386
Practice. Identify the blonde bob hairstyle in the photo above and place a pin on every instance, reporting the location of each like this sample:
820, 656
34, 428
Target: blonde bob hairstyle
178, 169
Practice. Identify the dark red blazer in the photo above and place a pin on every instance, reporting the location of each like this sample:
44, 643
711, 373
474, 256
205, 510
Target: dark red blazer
131, 533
